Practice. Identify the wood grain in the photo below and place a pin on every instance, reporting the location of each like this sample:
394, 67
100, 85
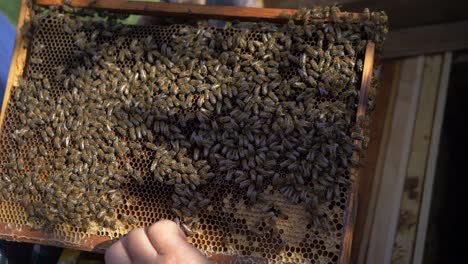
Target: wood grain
24, 233
184, 10
402, 13
17, 233
426, 39
18, 60
432, 160
368, 175
394, 169
415, 172
364, 243
351, 207
100, 243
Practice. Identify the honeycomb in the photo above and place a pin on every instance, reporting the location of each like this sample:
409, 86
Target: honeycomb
225, 227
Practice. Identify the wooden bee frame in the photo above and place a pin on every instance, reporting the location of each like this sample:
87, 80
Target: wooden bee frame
100, 243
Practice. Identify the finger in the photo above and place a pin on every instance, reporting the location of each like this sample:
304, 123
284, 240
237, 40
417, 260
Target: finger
117, 254
139, 247
166, 236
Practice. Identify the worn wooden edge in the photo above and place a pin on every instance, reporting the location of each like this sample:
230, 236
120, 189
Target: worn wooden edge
351, 208
98, 243
18, 233
417, 161
426, 39
18, 60
390, 189
361, 248
432, 161
368, 175
91, 243
187, 10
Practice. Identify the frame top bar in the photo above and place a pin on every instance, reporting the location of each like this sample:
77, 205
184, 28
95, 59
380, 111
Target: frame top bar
184, 10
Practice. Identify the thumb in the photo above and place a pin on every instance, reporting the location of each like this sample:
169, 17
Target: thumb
166, 235
170, 242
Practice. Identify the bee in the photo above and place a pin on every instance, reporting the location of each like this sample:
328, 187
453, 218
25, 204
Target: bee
43, 151
216, 102
138, 132
36, 75
35, 60
359, 65
101, 214
132, 220
132, 133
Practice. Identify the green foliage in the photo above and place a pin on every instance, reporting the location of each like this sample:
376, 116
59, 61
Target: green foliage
10, 8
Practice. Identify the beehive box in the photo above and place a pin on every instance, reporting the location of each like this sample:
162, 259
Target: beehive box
225, 229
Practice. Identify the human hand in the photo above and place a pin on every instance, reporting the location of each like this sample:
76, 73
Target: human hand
162, 242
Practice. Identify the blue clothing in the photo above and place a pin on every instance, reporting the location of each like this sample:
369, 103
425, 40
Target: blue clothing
7, 41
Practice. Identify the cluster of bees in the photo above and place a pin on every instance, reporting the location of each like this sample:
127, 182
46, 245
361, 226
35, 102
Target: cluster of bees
210, 104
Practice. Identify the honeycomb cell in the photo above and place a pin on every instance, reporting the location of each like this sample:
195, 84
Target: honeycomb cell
226, 226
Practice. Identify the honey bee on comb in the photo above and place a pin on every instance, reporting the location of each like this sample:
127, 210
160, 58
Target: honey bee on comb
123, 125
